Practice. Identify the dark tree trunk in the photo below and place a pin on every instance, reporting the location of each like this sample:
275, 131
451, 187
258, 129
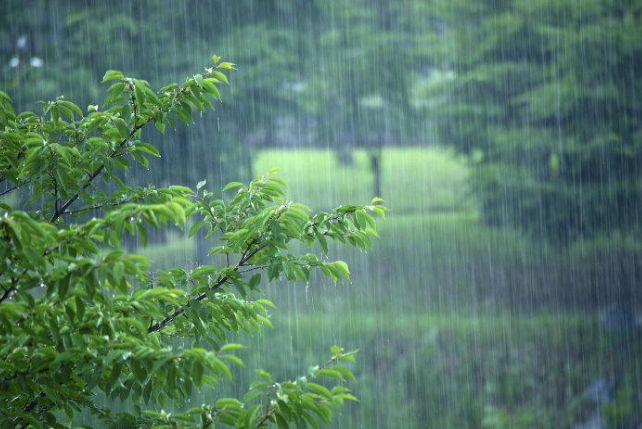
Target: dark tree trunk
375, 165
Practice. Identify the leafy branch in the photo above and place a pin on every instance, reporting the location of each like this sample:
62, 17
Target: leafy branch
60, 211
93, 322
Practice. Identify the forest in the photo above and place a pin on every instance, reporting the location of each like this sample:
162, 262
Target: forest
422, 213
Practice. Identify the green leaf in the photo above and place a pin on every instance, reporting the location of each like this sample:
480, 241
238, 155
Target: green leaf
119, 269
231, 346
254, 281
233, 185
112, 75
221, 76
342, 267
281, 422
198, 225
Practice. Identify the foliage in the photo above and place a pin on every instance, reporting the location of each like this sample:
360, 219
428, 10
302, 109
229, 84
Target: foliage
80, 314
76, 41
545, 99
294, 53
463, 369
370, 106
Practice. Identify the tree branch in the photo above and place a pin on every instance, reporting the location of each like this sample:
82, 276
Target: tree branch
29, 407
97, 171
258, 267
7, 293
11, 289
96, 207
6, 191
115, 153
246, 256
265, 418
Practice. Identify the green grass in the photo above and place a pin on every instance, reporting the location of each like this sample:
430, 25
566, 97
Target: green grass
452, 369
413, 179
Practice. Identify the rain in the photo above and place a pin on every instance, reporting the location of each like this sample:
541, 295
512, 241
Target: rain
504, 136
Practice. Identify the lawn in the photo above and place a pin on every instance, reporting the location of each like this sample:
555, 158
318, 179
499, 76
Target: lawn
425, 188
458, 370
414, 180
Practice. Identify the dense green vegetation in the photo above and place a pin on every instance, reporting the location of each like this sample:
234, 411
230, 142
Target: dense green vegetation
461, 370
546, 97
81, 315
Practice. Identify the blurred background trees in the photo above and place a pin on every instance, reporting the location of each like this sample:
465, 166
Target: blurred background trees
542, 94
547, 99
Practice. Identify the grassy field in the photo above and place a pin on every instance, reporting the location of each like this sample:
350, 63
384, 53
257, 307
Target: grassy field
431, 243
457, 370
414, 180
425, 188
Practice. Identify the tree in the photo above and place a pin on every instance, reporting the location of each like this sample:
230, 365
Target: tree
81, 315
72, 43
363, 71
545, 97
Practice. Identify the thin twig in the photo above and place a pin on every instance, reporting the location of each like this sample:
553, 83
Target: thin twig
7, 293
99, 169
95, 174
6, 191
246, 256
265, 417
258, 267
29, 407
96, 207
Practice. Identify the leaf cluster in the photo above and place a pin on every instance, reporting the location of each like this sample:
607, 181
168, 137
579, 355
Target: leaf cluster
81, 315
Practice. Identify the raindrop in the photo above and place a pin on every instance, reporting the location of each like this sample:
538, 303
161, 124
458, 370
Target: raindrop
14, 62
